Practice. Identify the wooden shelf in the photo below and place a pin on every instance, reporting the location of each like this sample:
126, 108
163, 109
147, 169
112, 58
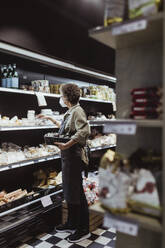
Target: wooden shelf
141, 220
125, 34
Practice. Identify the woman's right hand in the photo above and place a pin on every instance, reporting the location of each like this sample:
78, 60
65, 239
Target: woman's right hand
43, 117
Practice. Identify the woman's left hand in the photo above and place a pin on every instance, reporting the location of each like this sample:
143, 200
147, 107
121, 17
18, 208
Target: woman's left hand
61, 146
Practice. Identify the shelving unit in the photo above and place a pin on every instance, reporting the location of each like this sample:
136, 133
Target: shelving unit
33, 135
140, 60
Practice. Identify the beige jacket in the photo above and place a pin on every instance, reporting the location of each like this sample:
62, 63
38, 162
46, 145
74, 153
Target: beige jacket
77, 127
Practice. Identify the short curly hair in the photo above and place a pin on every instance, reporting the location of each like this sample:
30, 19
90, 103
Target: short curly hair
71, 92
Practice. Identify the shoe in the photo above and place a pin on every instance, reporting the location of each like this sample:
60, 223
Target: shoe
78, 236
65, 228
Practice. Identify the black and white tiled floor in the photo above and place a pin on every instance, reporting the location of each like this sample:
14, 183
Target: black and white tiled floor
100, 238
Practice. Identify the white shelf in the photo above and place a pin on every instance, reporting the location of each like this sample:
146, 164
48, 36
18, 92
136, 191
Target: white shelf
16, 128
93, 149
28, 162
129, 33
95, 100
28, 204
19, 91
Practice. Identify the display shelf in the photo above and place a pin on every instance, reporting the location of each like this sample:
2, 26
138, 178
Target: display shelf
130, 33
19, 91
28, 203
29, 55
28, 162
19, 128
142, 220
93, 149
95, 100
140, 123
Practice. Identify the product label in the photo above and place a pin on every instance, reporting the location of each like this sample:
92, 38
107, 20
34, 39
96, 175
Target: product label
14, 82
4, 82
8, 82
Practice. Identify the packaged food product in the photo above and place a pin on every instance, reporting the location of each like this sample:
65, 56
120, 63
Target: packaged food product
143, 7
145, 196
115, 11
114, 183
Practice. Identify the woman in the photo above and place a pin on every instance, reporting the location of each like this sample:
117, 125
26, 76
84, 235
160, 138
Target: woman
73, 158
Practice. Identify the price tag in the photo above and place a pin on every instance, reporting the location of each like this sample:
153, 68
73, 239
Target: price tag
120, 225
46, 201
130, 27
124, 128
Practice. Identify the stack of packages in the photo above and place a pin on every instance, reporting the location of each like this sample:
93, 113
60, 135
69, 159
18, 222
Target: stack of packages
146, 103
126, 184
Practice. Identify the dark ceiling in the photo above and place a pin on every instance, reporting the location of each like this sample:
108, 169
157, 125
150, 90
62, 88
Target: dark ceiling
58, 28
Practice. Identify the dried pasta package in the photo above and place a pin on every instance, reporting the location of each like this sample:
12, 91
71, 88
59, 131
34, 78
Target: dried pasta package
114, 183
115, 11
143, 7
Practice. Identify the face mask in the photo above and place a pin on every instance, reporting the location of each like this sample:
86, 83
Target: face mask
61, 102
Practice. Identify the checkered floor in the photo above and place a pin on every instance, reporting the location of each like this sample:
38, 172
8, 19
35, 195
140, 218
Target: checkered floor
100, 238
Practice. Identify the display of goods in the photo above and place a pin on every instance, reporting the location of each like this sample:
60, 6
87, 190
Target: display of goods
41, 86
11, 153
91, 188
144, 197
12, 196
103, 140
115, 11
50, 138
100, 117
143, 7
55, 88
147, 103
31, 120
126, 185
43, 178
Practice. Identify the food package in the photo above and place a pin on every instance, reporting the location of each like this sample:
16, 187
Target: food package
145, 196
114, 183
143, 7
115, 11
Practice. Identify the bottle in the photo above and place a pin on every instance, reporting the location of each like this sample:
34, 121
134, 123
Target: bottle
9, 76
15, 78
4, 76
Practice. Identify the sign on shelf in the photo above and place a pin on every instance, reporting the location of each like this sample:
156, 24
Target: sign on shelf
129, 27
121, 225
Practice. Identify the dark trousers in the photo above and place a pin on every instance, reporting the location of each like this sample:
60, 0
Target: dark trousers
78, 214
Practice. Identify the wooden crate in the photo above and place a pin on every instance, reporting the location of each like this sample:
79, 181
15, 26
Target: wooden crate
95, 220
